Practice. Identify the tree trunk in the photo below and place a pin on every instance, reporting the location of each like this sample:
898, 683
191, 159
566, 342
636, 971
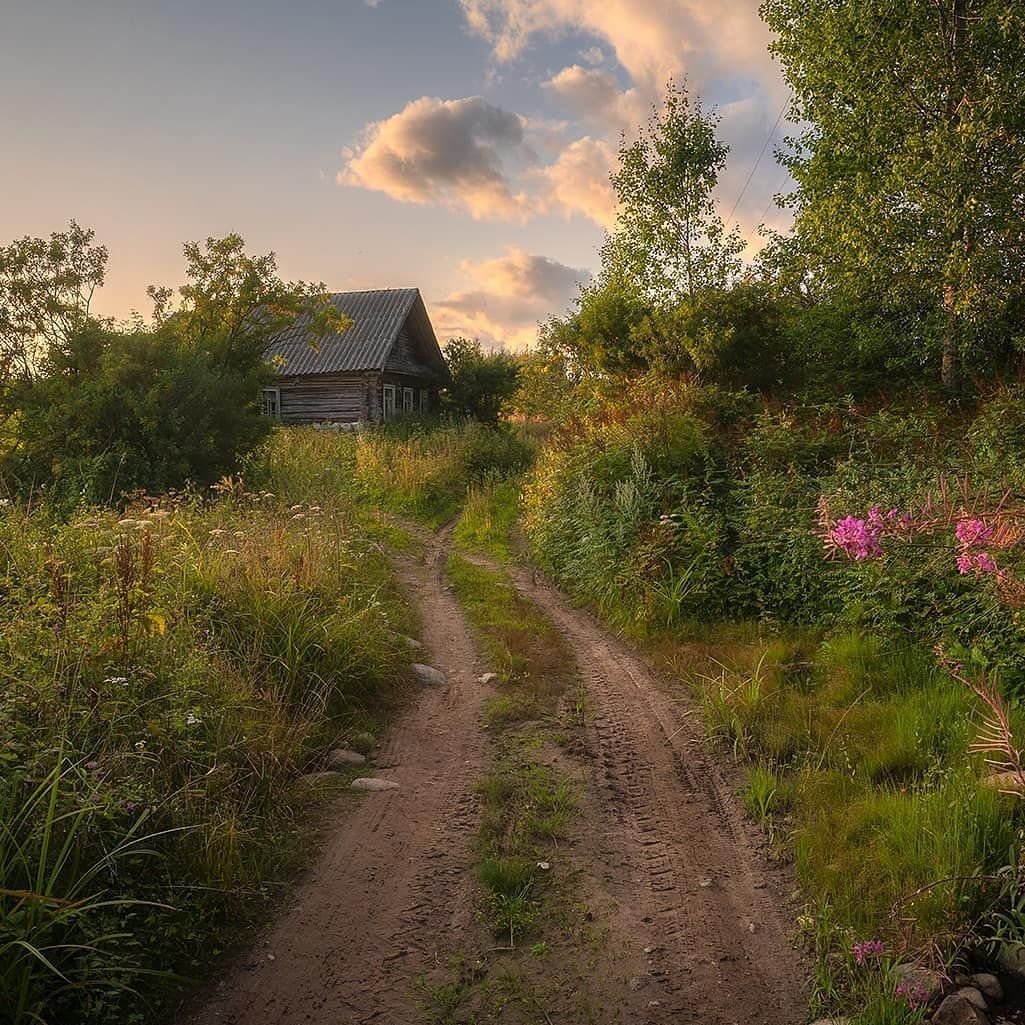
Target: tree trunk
950, 367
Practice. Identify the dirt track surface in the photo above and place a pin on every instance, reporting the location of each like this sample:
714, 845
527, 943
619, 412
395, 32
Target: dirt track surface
696, 932
694, 887
392, 886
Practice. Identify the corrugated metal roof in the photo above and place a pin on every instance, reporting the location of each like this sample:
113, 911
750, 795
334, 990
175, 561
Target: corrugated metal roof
377, 317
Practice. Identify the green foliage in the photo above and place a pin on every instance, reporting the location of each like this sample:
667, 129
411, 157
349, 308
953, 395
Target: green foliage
906, 168
166, 679
46, 286
669, 242
108, 411
482, 382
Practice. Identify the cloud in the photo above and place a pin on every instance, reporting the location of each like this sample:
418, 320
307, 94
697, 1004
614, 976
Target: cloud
507, 297
595, 96
651, 39
578, 182
464, 153
496, 164
722, 49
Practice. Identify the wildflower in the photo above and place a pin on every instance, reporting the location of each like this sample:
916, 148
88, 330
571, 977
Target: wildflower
192, 720
140, 745
92, 765
916, 996
122, 680
972, 533
129, 806
978, 563
866, 949
856, 538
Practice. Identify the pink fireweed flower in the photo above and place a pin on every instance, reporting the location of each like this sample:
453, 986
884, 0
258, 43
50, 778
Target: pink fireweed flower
972, 533
916, 996
978, 563
866, 949
856, 538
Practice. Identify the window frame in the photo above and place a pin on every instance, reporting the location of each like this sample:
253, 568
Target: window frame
272, 408
387, 391
407, 393
423, 400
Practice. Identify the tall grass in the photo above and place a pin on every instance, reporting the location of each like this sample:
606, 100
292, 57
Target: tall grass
166, 676
402, 468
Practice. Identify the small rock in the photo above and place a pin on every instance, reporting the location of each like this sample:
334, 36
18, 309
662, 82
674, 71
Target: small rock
989, 986
428, 675
637, 982
751, 927
373, 783
413, 644
342, 757
654, 1003
973, 996
270, 957
957, 1009
704, 882
921, 983
487, 678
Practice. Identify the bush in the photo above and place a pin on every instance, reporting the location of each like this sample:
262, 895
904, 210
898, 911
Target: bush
105, 411
481, 382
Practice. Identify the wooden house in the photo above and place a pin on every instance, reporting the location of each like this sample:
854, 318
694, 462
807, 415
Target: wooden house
388, 362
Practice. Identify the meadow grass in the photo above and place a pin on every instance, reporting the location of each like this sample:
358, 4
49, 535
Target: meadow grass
859, 765
167, 674
488, 519
407, 468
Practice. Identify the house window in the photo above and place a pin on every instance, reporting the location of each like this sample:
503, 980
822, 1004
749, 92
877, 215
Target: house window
407, 400
423, 400
270, 402
389, 401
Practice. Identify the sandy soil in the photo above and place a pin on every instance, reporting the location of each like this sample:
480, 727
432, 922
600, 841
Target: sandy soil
695, 929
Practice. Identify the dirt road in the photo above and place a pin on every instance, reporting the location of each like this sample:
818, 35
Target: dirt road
696, 930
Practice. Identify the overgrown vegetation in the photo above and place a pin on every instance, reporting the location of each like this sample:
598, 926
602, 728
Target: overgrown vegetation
168, 676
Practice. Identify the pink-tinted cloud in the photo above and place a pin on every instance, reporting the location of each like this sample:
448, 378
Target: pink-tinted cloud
578, 182
463, 153
507, 297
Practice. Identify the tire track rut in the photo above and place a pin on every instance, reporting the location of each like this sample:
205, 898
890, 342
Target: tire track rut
692, 881
391, 890
695, 917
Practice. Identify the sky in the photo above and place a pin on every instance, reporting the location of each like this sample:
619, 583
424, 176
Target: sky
459, 146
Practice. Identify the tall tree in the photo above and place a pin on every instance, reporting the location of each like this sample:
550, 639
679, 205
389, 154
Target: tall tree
911, 170
46, 286
668, 240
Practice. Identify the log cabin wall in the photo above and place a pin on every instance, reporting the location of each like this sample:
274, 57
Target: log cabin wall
338, 398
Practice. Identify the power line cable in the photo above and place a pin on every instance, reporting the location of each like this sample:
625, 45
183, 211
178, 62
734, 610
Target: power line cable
765, 146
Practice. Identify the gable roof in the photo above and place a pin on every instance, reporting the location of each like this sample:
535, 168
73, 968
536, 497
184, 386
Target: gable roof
378, 316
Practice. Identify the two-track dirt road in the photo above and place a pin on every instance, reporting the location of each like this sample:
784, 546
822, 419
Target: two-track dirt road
696, 908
